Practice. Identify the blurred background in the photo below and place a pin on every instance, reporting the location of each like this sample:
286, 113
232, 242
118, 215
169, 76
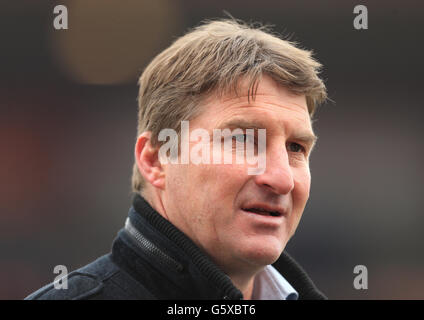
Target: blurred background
68, 124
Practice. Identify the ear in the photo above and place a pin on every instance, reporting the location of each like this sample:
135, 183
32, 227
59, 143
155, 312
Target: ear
148, 162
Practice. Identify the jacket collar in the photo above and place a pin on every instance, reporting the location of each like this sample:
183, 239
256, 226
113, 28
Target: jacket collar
160, 245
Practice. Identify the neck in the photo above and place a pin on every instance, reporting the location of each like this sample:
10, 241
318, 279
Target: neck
155, 202
244, 282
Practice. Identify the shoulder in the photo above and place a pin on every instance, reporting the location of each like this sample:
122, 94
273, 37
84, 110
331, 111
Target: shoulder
101, 279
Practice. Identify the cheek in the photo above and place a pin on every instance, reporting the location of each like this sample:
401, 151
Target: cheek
218, 186
302, 180
186, 189
228, 179
174, 177
207, 185
300, 195
301, 192
218, 176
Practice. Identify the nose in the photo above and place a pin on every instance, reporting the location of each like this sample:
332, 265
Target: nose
278, 175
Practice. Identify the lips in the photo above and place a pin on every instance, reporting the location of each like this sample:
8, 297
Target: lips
264, 210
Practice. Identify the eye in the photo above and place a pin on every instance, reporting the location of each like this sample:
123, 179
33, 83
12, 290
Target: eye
244, 138
240, 137
297, 147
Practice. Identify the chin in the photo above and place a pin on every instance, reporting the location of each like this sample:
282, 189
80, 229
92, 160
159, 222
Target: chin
262, 252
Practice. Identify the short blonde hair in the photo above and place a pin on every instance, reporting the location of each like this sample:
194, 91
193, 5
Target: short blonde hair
212, 58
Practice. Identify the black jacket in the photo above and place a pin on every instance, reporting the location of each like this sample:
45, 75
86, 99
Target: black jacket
152, 259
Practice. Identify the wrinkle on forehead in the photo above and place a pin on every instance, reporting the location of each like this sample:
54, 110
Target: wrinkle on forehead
265, 104
263, 98
262, 118
268, 91
259, 108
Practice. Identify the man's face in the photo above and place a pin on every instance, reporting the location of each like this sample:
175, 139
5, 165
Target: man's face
208, 201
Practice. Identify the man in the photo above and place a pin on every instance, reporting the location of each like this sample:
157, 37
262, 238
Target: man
202, 229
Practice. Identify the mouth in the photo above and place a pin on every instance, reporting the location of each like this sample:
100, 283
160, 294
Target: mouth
263, 211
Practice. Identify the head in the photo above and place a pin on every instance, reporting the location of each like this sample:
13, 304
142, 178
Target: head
224, 74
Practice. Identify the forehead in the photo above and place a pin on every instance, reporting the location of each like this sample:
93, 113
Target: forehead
272, 104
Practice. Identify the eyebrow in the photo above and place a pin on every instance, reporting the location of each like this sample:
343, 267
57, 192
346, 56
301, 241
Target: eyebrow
242, 124
308, 139
305, 137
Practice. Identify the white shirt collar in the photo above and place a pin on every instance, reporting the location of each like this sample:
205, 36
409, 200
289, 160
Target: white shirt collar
269, 284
